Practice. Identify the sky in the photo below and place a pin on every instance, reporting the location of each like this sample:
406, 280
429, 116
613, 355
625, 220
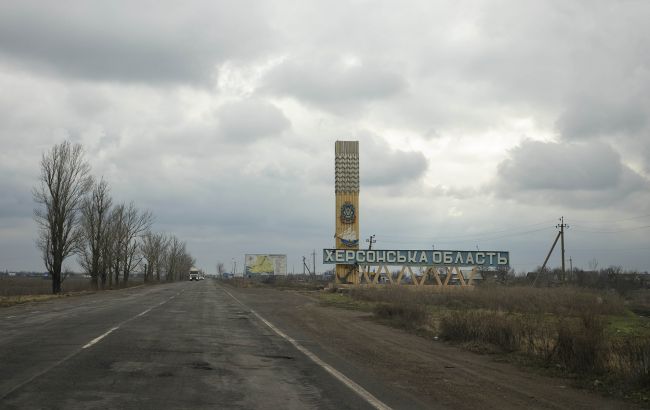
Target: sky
480, 123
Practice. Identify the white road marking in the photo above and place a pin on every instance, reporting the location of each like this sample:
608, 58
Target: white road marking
365, 394
9, 317
98, 338
3, 395
144, 313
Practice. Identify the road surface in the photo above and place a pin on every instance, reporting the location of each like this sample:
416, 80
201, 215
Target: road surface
200, 345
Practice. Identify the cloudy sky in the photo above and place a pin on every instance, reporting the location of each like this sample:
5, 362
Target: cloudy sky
480, 122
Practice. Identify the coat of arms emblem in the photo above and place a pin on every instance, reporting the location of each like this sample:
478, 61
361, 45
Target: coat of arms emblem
348, 213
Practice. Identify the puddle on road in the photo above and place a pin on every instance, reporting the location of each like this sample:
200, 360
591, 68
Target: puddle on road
272, 356
201, 365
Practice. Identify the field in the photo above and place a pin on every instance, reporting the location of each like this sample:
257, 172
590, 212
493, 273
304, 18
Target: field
593, 337
18, 289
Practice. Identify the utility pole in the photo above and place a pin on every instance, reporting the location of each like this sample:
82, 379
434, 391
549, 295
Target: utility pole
370, 241
305, 267
562, 225
560, 235
570, 267
313, 258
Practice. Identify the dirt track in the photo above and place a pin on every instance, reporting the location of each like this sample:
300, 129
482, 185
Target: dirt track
431, 374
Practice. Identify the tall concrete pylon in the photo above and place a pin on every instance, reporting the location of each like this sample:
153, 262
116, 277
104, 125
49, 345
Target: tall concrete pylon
346, 171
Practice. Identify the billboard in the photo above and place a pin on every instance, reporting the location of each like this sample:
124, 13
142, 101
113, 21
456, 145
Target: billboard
265, 264
416, 257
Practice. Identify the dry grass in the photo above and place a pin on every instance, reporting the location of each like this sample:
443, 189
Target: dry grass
558, 301
6, 301
16, 286
17, 290
583, 332
639, 301
406, 315
291, 282
630, 360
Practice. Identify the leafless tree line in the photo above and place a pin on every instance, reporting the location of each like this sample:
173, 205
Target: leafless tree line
76, 215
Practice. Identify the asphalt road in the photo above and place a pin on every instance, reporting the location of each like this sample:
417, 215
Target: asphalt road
183, 345
195, 345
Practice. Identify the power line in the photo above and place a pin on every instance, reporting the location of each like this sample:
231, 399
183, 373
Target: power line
613, 221
471, 236
614, 231
647, 248
473, 239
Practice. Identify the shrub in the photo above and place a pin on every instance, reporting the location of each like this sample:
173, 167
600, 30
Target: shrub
405, 314
580, 343
562, 301
482, 326
630, 359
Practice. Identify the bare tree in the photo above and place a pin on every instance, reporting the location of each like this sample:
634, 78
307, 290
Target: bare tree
186, 262
153, 248
136, 223
172, 256
108, 251
160, 263
94, 229
116, 245
128, 224
64, 181
177, 260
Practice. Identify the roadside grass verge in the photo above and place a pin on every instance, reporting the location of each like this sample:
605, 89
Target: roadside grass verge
345, 302
297, 282
18, 290
23, 286
639, 301
591, 337
7, 301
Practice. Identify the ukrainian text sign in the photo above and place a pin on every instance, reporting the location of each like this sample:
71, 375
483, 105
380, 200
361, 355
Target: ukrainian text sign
415, 257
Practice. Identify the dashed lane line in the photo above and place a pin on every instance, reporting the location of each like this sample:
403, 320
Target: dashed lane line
97, 339
100, 337
87, 345
365, 394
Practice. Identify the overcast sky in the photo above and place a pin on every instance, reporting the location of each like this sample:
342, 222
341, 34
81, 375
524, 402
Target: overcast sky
480, 122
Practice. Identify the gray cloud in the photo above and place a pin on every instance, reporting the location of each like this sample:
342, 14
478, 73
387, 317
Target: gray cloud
16, 199
249, 120
246, 163
126, 42
590, 117
329, 82
583, 175
382, 165
537, 165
